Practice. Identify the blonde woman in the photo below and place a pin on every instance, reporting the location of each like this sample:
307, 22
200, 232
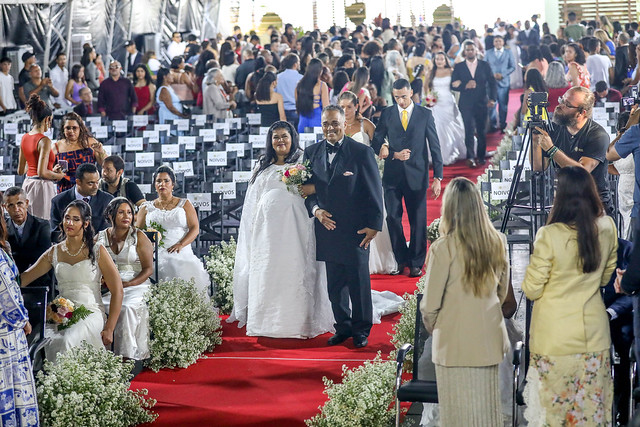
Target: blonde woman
607, 44
467, 282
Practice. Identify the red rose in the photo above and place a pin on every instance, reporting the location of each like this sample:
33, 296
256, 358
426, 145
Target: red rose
68, 315
286, 173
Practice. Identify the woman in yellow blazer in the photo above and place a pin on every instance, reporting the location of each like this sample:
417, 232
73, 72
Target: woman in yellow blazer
467, 282
569, 380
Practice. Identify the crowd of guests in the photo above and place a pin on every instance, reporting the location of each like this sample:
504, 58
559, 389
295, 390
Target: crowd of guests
381, 92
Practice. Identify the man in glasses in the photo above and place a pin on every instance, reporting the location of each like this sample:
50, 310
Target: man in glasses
116, 99
576, 140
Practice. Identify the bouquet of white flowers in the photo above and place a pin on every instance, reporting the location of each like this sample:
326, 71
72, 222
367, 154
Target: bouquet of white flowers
90, 387
219, 265
364, 398
183, 322
433, 230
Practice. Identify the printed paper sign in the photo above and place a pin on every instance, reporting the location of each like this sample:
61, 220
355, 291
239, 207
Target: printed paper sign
500, 190
181, 124
241, 176
238, 148
258, 141
234, 123
183, 167
306, 139
227, 189
1, 162
145, 188
108, 149
100, 131
120, 125
133, 144
614, 105
217, 158
318, 130
208, 135
10, 128
162, 128
145, 160
8, 181
201, 201
199, 119
93, 121
254, 118
170, 151
19, 139
189, 142
153, 135
264, 130
140, 120
226, 129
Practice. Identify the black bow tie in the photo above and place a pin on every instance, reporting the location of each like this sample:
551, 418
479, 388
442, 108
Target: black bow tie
332, 149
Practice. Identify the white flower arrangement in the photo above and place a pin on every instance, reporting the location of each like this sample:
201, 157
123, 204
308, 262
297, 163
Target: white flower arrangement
219, 265
433, 230
364, 398
183, 322
404, 329
90, 387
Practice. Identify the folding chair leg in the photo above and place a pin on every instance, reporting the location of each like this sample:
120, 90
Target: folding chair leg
397, 413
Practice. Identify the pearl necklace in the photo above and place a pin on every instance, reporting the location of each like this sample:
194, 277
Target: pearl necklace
66, 249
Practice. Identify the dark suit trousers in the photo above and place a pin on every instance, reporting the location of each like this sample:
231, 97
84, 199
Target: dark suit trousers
416, 202
474, 117
353, 282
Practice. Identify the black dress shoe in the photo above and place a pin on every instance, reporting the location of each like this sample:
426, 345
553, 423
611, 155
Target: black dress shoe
400, 269
481, 162
415, 272
337, 339
360, 341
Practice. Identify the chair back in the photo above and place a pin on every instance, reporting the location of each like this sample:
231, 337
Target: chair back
35, 301
422, 364
153, 236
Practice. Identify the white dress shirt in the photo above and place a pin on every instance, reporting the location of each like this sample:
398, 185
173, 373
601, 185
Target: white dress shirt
409, 111
80, 196
59, 78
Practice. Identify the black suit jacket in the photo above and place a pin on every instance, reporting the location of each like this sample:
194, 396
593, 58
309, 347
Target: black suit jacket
82, 110
59, 203
485, 85
621, 66
352, 194
420, 130
25, 250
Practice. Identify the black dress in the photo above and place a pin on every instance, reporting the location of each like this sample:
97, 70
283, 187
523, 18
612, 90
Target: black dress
269, 114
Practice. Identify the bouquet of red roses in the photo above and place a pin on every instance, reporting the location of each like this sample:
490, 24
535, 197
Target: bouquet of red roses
64, 313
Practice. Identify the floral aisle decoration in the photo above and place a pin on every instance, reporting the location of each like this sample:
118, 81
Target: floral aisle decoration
90, 387
63, 313
219, 265
501, 154
183, 322
364, 398
404, 330
433, 230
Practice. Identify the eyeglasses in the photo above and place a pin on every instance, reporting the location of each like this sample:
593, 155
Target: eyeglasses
563, 101
71, 128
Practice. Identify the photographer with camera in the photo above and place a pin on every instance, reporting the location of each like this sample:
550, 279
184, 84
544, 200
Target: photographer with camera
576, 140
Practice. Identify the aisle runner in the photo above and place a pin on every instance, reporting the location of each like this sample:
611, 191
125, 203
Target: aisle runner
253, 381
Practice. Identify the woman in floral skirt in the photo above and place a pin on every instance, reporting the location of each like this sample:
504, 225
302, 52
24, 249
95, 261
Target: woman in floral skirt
569, 380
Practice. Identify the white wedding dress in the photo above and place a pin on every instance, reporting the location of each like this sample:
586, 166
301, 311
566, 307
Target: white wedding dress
626, 184
184, 264
279, 289
381, 258
131, 336
80, 283
449, 125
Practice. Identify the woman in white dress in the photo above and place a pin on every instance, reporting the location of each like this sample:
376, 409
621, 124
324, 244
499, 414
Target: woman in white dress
79, 266
381, 258
279, 289
132, 253
517, 77
179, 219
449, 125
625, 168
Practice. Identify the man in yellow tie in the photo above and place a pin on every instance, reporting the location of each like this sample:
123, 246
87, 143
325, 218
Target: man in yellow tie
404, 132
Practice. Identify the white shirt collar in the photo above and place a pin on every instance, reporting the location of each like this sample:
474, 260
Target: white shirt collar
20, 228
80, 196
409, 109
499, 50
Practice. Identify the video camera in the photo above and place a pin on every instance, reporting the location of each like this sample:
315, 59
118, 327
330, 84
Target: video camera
537, 104
630, 101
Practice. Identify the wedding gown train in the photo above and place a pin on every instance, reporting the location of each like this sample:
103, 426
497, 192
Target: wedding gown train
448, 119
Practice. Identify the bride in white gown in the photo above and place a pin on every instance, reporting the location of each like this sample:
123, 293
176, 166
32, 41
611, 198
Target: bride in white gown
179, 219
381, 258
79, 266
449, 125
279, 289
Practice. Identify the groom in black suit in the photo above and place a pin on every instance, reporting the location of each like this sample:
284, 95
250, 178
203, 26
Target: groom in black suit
347, 205
474, 80
408, 129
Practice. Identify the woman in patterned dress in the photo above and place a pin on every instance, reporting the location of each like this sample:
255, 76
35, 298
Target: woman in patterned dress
77, 147
18, 404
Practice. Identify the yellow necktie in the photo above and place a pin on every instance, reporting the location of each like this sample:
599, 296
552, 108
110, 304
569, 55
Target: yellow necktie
405, 119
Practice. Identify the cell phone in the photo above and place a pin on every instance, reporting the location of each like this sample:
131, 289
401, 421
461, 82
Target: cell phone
64, 165
46, 75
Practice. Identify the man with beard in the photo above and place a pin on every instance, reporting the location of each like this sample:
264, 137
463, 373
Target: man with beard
576, 140
114, 183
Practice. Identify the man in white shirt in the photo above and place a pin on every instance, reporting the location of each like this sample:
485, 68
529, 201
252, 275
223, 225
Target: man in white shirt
7, 99
59, 77
176, 47
599, 66
134, 57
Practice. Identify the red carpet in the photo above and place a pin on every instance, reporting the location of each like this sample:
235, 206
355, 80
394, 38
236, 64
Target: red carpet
252, 381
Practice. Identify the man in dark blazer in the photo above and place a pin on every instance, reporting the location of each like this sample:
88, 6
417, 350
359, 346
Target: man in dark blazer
28, 235
86, 188
87, 107
474, 80
347, 205
620, 78
408, 128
